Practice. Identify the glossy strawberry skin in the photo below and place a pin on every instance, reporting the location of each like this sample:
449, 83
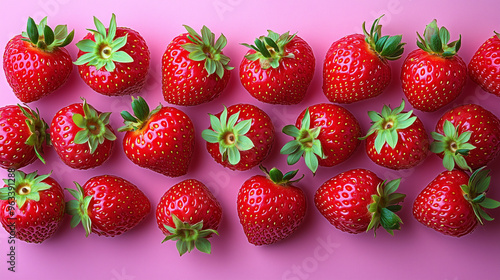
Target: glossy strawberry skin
432, 81
286, 84
269, 212
127, 78
164, 144
485, 66
186, 82
36, 221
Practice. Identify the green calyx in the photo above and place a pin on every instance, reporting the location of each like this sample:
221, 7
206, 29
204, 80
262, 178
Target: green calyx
142, 115
94, 130
437, 41
38, 128
475, 194
26, 187
105, 50
230, 135
387, 123
78, 209
389, 47
189, 236
204, 47
278, 178
453, 145
305, 143
384, 207
270, 49
44, 38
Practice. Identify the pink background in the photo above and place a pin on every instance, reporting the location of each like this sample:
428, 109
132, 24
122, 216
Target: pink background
317, 250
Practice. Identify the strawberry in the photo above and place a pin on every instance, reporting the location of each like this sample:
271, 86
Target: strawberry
484, 65
194, 69
278, 68
270, 208
325, 134
453, 203
107, 205
357, 201
356, 67
161, 140
113, 61
433, 75
240, 137
36, 62
31, 206
189, 214
82, 136
468, 136
396, 139
22, 136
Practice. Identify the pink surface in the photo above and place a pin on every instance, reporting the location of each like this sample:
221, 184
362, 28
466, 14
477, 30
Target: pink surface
317, 250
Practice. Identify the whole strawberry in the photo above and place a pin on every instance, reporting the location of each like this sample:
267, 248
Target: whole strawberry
82, 136
270, 208
22, 136
113, 61
278, 69
484, 65
468, 136
433, 75
356, 67
357, 201
325, 134
189, 214
194, 69
36, 62
107, 205
31, 206
396, 139
161, 140
240, 137
453, 203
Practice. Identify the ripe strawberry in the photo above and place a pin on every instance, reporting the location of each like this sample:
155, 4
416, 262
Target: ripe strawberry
468, 135
240, 137
453, 203
396, 139
194, 69
484, 65
357, 201
270, 208
82, 136
31, 206
433, 75
36, 62
278, 69
113, 61
356, 67
325, 134
161, 140
189, 214
107, 205
22, 136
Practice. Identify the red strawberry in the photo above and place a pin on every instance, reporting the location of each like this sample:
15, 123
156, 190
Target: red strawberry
36, 62
107, 205
453, 203
194, 69
356, 67
433, 75
396, 139
31, 206
22, 136
325, 134
357, 201
485, 66
82, 136
467, 135
161, 140
189, 214
113, 61
270, 208
278, 69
